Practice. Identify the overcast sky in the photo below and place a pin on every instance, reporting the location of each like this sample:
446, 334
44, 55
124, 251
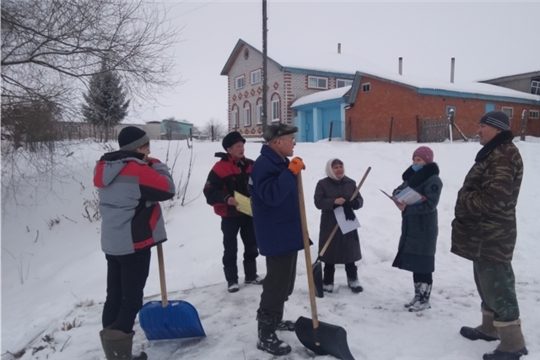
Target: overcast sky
488, 39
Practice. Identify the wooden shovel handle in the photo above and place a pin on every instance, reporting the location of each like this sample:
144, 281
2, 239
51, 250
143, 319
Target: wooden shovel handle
337, 226
161, 264
307, 252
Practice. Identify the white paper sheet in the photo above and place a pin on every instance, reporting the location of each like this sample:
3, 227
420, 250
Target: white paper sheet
345, 225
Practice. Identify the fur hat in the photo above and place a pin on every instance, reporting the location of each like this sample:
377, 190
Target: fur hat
277, 130
131, 138
424, 153
497, 119
232, 138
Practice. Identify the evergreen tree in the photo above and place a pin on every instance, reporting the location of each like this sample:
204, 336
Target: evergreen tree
106, 103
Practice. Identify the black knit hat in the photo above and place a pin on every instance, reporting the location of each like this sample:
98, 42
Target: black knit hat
232, 138
277, 130
497, 119
131, 138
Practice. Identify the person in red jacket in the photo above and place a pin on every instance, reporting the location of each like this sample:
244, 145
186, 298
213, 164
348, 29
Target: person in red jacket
130, 185
228, 175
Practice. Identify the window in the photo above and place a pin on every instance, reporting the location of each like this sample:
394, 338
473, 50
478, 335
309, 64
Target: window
366, 87
239, 82
247, 115
534, 114
342, 83
259, 114
71, 128
234, 119
508, 111
256, 77
317, 82
275, 110
535, 87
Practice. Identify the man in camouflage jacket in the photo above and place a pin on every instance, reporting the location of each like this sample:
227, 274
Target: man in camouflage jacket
484, 231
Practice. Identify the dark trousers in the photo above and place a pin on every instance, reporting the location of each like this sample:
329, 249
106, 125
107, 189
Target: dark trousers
278, 284
426, 278
496, 286
230, 226
330, 269
126, 278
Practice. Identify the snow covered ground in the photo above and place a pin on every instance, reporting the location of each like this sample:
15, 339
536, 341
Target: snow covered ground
53, 271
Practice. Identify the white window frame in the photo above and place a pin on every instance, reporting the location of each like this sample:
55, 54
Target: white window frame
240, 82
508, 111
534, 114
256, 76
366, 87
234, 119
259, 114
317, 80
276, 111
247, 115
535, 87
345, 82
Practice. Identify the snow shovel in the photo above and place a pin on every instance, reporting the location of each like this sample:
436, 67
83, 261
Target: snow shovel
164, 319
317, 266
317, 336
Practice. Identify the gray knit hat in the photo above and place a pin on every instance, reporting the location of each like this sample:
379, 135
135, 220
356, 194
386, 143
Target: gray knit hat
131, 138
497, 119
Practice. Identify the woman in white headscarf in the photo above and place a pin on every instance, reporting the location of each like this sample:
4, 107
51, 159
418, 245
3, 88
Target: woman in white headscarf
333, 191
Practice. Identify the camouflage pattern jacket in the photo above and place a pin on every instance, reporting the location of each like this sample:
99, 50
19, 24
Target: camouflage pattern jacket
484, 227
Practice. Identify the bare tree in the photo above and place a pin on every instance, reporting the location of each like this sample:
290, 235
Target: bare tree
213, 129
46, 45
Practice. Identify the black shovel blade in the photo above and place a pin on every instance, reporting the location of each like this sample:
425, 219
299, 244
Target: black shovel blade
327, 339
318, 279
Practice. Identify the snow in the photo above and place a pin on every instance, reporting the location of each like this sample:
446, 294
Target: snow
53, 270
322, 96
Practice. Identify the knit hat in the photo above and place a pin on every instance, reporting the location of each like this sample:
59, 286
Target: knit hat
277, 130
424, 153
232, 138
131, 138
497, 119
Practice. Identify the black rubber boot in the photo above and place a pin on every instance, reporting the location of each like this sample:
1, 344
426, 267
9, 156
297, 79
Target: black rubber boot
117, 345
268, 340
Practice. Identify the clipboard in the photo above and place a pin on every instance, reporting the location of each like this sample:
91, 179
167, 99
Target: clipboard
244, 203
391, 197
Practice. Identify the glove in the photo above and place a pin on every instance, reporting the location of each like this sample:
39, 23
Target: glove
349, 213
296, 165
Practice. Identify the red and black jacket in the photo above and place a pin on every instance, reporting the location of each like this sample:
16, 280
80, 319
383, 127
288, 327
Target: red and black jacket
226, 177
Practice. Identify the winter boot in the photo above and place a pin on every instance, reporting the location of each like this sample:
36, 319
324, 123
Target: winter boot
285, 325
486, 331
268, 340
232, 287
257, 280
117, 345
329, 288
416, 295
424, 291
512, 344
355, 286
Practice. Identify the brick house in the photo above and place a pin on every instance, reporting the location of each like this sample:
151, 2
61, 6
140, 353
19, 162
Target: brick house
292, 74
378, 101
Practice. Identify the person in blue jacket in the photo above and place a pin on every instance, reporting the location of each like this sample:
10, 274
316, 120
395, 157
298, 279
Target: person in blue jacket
278, 230
130, 186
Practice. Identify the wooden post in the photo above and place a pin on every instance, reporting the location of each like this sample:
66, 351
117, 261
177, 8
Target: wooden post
330, 133
391, 129
212, 133
350, 129
418, 130
523, 124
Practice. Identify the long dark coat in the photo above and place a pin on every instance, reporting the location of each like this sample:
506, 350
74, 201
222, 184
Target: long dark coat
343, 249
419, 226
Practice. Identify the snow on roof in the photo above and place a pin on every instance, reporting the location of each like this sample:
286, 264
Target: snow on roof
132, 121
321, 96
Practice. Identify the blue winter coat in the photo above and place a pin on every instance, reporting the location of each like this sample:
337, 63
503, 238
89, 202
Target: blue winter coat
275, 205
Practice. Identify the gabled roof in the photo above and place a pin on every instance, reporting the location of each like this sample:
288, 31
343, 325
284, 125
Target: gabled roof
298, 59
509, 77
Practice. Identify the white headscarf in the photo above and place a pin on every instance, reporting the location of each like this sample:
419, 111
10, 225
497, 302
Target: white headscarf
330, 172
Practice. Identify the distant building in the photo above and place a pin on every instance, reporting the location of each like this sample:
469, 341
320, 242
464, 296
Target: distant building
172, 129
526, 82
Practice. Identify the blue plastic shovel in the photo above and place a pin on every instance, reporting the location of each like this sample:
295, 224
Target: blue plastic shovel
164, 319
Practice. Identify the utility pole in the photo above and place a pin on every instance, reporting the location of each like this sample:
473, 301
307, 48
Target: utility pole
265, 68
